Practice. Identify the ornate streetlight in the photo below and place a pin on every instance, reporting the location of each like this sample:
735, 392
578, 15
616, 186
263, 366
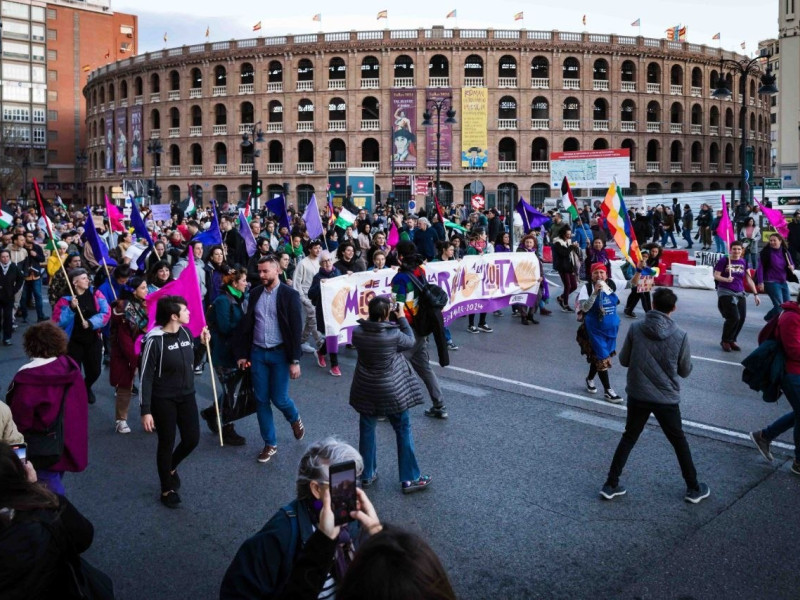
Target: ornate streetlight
438, 106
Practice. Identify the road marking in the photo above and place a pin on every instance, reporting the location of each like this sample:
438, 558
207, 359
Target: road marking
694, 424
589, 419
716, 360
463, 389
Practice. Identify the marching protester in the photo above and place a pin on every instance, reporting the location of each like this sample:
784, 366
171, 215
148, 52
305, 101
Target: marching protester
446, 253
82, 317
597, 335
526, 313
596, 253
326, 271
656, 352
687, 222
750, 238
405, 289
477, 246
704, 218
384, 385
787, 334
566, 261
158, 276
731, 276
216, 268
303, 277
347, 261
272, 351
651, 254
227, 311
35, 266
775, 271
194, 253
167, 394
11, 282
262, 249
128, 322
48, 399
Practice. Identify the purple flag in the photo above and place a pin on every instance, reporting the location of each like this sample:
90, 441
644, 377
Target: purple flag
312, 220
725, 227
278, 206
531, 218
776, 219
99, 248
212, 235
247, 233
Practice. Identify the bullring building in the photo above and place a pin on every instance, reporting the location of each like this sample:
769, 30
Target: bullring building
298, 108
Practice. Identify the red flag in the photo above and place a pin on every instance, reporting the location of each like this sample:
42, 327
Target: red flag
439, 210
42, 213
187, 286
115, 216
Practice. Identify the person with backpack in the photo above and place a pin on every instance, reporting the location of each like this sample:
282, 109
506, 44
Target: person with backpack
732, 279
787, 334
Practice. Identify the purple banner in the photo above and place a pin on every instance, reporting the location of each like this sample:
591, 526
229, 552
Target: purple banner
404, 118
446, 142
135, 136
109, 166
121, 140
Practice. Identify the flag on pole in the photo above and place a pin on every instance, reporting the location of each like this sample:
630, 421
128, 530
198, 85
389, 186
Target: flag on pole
257, 26
139, 228
278, 207
99, 248
584, 20
115, 216
619, 224
191, 209
569, 200
775, 218
439, 210
317, 17
212, 235
682, 34
725, 227
519, 16
531, 218
312, 220
673, 32
394, 237
637, 23
744, 45
208, 31
165, 37
187, 286
384, 14
716, 36
6, 220
455, 226
247, 233
345, 218
451, 14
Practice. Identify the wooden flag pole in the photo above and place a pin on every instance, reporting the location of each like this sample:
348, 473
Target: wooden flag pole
110, 283
214, 388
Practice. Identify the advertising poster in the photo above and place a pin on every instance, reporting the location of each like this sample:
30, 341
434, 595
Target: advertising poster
591, 168
121, 140
474, 128
109, 166
446, 141
135, 136
404, 118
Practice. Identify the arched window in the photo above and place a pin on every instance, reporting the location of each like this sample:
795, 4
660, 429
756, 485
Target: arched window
174, 81
197, 116
713, 80
174, 155
728, 117
752, 122
248, 114
111, 96
653, 151
629, 145
653, 189
370, 151
102, 95
571, 109
220, 77
337, 110
600, 71
438, 71
600, 111
174, 193
713, 120
697, 186
627, 112
676, 187
337, 151
697, 77
676, 153
600, 144
337, 70
370, 69
275, 153
220, 193
370, 110
697, 153
155, 119
305, 70
275, 72
403, 67
220, 154
507, 108
507, 150
653, 112
676, 113
540, 113
728, 154
653, 76
676, 76
305, 110
275, 112
103, 126
697, 115
507, 71
155, 84
220, 114
540, 149
174, 118
571, 145
247, 75
305, 151
628, 75
473, 71
196, 151
540, 72
138, 87
572, 69
197, 78
713, 154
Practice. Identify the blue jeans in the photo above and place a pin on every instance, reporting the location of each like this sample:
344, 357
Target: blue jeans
32, 288
406, 460
778, 292
667, 235
270, 371
791, 387
719, 244
687, 235
448, 337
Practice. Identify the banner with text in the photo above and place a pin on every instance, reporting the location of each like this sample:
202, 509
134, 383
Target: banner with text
135, 135
591, 168
474, 127
109, 124
404, 139
474, 284
446, 141
121, 140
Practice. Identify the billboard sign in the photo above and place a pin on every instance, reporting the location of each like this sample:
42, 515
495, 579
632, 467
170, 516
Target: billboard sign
404, 118
591, 168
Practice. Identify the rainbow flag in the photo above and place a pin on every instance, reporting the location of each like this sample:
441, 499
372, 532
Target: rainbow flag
619, 224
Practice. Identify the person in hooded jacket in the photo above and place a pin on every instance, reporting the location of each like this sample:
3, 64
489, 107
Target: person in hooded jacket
385, 385
326, 271
36, 394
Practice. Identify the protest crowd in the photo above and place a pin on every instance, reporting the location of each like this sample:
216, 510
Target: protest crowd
154, 301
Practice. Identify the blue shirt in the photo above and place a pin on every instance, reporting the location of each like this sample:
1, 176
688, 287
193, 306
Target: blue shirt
267, 333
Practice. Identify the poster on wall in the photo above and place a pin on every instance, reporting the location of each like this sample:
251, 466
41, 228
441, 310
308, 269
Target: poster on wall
404, 117
135, 136
446, 141
121, 140
109, 123
474, 128
591, 168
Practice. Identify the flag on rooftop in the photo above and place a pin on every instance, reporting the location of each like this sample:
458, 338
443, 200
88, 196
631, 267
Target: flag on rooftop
317, 17
584, 20
86, 68
716, 36
519, 16
165, 37
384, 14
744, 45
257, 26
208, 31
637, 23
451, 14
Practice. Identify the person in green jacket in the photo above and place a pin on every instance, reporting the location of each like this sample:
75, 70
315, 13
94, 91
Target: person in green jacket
478, 245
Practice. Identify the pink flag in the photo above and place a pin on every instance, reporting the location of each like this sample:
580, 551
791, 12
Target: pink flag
776, 219
725, 227
187, 286
394, 237
115, 216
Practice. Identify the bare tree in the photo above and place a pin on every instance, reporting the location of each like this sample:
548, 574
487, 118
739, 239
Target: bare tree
13, 150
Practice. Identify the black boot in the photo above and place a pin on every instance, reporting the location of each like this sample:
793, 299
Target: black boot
210, 417
230, 437
524, 319
532, 319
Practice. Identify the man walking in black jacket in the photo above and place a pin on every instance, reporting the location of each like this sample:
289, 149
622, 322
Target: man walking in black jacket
11, 280
656, 353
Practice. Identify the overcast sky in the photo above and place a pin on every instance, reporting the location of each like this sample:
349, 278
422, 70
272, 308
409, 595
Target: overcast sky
185, 21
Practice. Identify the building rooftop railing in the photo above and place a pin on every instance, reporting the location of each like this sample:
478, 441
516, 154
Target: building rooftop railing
390, 37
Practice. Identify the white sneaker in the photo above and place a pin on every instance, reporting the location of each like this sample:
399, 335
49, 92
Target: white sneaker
122, 426
612, 396
306, 347
590, 386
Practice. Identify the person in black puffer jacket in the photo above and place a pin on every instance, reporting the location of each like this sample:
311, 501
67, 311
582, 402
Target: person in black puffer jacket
385, 385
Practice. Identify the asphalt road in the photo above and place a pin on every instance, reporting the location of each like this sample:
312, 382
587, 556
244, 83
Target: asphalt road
514, 510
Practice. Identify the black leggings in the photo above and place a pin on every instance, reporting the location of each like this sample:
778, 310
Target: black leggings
88, 355
603, 375
633, 300
167, 414
481, 319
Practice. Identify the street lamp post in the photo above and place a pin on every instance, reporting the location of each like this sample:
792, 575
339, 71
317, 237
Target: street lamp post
26, 164
258, 136
438, 106
746, 68
80, 161
155, 147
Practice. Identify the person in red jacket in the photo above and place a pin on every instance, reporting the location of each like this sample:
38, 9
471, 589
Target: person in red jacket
788, 334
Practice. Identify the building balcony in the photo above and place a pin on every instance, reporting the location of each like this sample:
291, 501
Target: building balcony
540, 166
728, 168
675, 167
713, 167
697, 167
245, 168
653, 166
507, 82
338, 165
599, 85
713, 130
370, 124
123, 103
628, 86
138, 99
155, 98
653, 88
370, 84
371, 165
729, 132
305, 167
305, 86
676, 90
633, 166
220, 130
275, 127
174, 132
337, 125
627, 125
506, 123
195, 93
175, 171
403, 82
155, 171
653, 127
473, 81
438, 82
600, 125
195, 170
245, 128
572, 84
174, 95
507, 166
274, 87
219, 90
697, 129
540, 83
275, 168
155, 134
305, 126
337, 84
696, 91
572, 124
540, 123
676, 127
220, 169
247, 88
111, 105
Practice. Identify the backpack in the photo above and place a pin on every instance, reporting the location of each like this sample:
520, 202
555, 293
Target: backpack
764, 366
430, 295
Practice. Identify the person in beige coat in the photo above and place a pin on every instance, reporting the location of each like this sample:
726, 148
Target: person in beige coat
8, 429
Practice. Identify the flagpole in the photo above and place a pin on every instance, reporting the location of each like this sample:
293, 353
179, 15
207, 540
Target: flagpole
110, 283
214, 389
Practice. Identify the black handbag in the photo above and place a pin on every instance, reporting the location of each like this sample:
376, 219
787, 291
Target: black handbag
45, 447
430, 294
240, 396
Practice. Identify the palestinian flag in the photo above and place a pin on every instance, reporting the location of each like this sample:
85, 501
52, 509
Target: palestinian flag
246, 211
191, 209
568, 199
345, 218
455, 226
6, 220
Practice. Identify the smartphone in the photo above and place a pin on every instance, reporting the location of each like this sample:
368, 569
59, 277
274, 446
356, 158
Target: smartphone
21, 450
343, 491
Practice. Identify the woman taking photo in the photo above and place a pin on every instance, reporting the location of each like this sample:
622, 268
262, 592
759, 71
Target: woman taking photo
228, 310
733, 280
566, 261
159, 275
36, 395
326, 271
167, 394
775, 271
384, 385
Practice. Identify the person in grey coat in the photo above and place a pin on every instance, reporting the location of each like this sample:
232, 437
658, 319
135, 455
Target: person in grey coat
656, 353
385, 385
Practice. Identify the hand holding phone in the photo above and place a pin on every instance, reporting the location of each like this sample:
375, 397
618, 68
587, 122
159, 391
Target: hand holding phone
343, 491
21, 450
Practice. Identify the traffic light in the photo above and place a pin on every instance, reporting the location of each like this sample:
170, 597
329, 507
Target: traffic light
157, 192
255, 184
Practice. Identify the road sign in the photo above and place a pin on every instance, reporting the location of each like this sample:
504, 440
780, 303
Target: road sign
412, 206
478, 202
773, 183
